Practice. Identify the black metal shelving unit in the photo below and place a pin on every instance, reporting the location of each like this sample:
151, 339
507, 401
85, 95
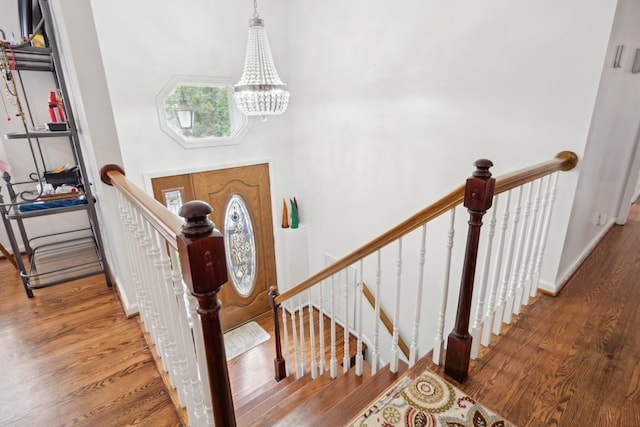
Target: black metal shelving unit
53, 258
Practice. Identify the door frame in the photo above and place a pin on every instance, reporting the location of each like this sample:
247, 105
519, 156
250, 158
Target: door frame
628, 190
147, 176
148, 187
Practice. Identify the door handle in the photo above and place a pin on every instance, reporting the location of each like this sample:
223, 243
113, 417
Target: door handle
635, 69
618, 56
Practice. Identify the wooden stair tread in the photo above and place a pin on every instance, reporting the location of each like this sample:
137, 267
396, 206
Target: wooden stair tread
244, 402
358, 400
265, 401
273, 408
323, 401
311, 401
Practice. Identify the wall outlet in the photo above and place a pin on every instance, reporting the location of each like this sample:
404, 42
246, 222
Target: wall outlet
601, 218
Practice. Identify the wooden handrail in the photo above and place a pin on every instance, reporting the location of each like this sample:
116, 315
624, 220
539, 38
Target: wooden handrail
204, 272
162, 219
563, 161
432, 211
388, 324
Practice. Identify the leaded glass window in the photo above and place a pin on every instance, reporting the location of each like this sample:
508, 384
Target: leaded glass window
240, 245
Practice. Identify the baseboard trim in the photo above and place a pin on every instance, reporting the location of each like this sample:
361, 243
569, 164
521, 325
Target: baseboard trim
578, 262
547, 288
131, 309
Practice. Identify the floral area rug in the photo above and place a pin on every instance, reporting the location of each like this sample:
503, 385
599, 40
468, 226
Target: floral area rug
427, 401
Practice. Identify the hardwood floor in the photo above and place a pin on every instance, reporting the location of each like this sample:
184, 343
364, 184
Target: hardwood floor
69, 356
573, 360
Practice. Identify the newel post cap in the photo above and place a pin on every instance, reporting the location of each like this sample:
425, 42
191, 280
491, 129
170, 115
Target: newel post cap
196, 214
201, 247
478, 195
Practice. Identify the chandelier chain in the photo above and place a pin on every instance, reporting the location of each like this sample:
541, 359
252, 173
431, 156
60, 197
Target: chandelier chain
255, 9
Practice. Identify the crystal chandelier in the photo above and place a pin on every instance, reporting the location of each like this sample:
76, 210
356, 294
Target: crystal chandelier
260, 92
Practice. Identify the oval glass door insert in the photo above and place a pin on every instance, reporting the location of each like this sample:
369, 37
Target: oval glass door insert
240, 245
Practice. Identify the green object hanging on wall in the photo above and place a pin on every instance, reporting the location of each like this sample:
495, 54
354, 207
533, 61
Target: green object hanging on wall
294, 214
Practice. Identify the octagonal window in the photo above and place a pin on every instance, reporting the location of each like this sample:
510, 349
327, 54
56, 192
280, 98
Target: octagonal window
198, 112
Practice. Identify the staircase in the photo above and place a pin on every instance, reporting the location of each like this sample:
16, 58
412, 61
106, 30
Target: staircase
323, 401
188, 336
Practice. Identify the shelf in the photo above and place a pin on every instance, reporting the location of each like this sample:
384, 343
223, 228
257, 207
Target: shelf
59, 262
40, 134
54, 258
14, 213
41, 51
32, 58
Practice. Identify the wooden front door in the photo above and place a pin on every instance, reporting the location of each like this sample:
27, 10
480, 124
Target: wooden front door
241, 201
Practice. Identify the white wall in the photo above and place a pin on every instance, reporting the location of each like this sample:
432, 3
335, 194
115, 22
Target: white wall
391, 102
208, 38
145, 43
86, 82
611, 148
395, 100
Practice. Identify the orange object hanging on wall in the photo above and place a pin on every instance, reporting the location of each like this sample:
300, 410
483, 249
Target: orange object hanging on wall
285, 215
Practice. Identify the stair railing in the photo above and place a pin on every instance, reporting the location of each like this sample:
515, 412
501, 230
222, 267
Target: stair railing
177, 269
384, 318
509, 279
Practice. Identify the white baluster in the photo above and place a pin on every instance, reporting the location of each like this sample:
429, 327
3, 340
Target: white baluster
153, 252
477, 322
333, 369
487, 324
312, 341
322, 364
132, 255
359, 357
413, 354
375, 355
185, 360
143, 247
303, 347
523, 246
534, 241
136, 266
285, 327
170, 315
154, 280
294, 330
438, 345
545, 232
346, 361
148, 282
200, 386
505, 310
394, 358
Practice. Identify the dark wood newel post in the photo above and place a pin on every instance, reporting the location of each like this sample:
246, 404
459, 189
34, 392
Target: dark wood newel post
279, 362
204, 270
478, 197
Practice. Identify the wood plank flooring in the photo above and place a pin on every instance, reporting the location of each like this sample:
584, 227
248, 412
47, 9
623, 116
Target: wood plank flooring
252, 373
573, 360
69, 356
